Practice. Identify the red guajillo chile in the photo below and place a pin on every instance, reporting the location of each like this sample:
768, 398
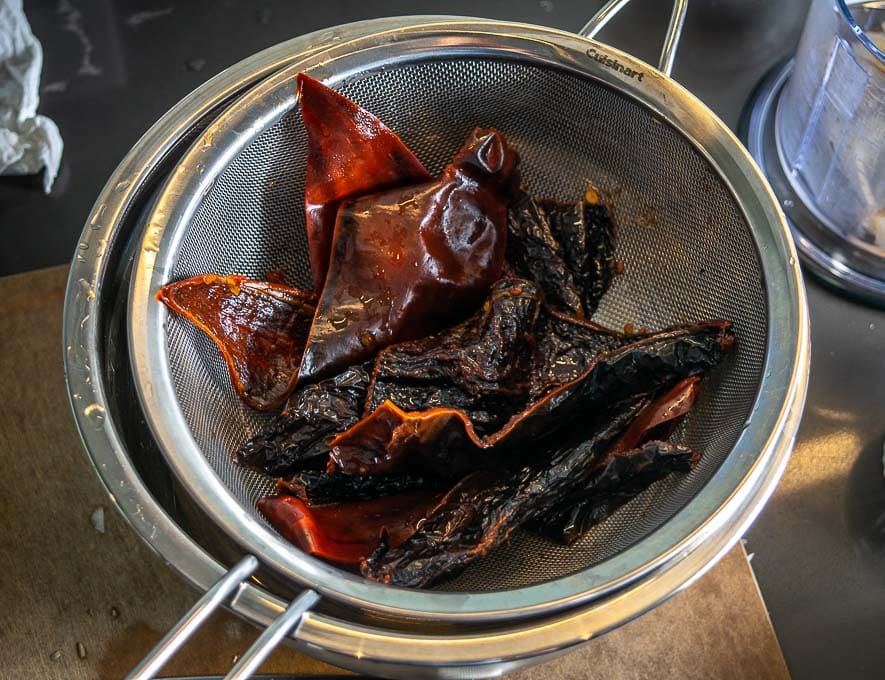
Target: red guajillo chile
349, 153
260, 328
347, 532
410, 261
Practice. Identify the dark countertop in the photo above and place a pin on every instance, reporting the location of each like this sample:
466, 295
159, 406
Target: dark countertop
112, 68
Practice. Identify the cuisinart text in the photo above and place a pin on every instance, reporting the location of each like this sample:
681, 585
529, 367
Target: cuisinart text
614, 64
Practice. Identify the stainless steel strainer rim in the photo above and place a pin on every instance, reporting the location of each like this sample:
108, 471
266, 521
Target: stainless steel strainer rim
775, 415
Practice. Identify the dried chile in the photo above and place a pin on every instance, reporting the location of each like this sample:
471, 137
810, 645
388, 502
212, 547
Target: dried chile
576, 514
298, 438
349, 153
482, 511
566, 348
510, 352
624, 474
347, 532
480, 367
534, 253
316, 486
410, 261
260, 328
661, 416
586, 232
444, 441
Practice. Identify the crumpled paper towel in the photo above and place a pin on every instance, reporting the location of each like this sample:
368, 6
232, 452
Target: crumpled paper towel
28, 142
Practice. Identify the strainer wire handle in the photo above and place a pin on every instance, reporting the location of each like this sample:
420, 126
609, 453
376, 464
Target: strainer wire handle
223, 591
671, 39
181, 631
272, 635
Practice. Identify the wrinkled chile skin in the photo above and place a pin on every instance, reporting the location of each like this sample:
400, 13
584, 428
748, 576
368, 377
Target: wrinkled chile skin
298, 438
480, 367
410, 261
444, 441
316, 486
586, 232
486, 507
622, 476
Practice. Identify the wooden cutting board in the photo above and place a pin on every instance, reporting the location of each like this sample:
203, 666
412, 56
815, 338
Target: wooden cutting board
79, 604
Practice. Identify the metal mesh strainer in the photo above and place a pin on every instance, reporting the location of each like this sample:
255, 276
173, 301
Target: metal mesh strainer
699, 236
680, 231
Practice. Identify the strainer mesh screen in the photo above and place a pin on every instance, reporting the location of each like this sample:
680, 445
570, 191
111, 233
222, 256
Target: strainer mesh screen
687, 251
